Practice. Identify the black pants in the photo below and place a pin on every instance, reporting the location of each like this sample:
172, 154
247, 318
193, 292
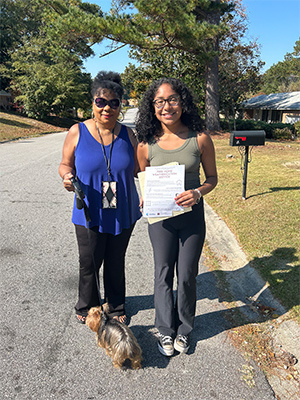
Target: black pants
93, 250
177, 241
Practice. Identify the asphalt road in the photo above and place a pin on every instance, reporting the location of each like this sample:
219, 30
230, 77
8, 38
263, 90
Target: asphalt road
45, 353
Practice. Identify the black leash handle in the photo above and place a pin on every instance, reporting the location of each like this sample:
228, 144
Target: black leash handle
80, 203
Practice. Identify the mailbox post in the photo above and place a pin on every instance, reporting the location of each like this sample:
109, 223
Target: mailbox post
245, 139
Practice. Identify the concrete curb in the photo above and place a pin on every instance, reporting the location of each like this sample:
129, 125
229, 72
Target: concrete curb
245, 282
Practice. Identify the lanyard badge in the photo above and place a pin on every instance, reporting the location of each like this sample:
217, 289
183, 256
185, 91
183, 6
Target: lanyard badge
109, 194
109, 187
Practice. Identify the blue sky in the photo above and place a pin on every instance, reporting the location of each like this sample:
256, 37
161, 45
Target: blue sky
275, 24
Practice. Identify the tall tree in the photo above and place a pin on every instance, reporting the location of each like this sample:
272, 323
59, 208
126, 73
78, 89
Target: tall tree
161, 63
212, 76
43, 59
18, 19
240, 64
285, 75
187, 26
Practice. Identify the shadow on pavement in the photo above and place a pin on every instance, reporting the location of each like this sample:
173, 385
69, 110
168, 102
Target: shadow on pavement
210, 324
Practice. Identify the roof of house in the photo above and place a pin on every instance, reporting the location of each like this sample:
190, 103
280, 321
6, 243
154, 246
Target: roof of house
4, 93
276, 101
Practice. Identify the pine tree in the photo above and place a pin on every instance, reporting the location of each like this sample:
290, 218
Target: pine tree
188, 26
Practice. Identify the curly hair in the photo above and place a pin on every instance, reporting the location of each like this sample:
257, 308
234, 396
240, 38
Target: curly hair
107, 80
148, 127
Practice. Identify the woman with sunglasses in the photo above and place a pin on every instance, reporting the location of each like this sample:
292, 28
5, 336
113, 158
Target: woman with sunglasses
170, 130
101, 154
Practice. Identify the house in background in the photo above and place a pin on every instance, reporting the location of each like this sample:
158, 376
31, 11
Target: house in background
277, 107
5, 100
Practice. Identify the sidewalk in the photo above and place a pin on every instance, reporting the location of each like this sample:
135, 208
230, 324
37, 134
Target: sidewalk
248, 289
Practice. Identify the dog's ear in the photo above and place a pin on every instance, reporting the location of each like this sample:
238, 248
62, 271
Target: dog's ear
106, 308
93, 319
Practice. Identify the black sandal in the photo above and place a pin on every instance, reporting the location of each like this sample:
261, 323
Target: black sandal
80, 318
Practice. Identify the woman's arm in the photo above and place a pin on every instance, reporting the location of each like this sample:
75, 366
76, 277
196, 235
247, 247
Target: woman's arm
67, 166
142, 155
134, 143
208, 161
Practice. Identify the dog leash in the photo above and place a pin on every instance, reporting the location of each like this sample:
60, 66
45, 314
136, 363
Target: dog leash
81, 204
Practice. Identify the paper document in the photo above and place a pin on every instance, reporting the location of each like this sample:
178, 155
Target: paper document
153, 220
162, 185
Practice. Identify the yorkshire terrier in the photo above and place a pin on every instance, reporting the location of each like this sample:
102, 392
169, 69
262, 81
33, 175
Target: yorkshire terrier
116, 338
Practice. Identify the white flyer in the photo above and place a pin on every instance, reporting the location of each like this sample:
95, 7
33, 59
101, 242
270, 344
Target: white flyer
162, 185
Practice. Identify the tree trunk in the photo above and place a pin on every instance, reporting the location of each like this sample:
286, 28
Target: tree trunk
233, 113
212, 119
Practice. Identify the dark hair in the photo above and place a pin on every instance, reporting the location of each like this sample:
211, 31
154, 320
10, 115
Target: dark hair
148, 126
107, 80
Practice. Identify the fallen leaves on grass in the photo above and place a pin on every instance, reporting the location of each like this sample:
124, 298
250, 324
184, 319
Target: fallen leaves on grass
256, 342
14, 127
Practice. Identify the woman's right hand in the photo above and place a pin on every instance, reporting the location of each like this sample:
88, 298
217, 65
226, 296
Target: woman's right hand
141, 203
67, 183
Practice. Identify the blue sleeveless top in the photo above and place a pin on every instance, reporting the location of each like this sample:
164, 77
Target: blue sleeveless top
91, 171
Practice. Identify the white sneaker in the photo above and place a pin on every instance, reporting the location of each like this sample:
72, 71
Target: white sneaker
182, 343
165, 345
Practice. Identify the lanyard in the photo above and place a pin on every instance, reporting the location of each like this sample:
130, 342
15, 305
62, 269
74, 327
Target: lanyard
103, 150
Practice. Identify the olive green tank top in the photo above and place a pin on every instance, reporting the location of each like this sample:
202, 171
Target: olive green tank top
188, 154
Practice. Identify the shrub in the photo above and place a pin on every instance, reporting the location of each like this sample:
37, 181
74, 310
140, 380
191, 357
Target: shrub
225, 125
283, 134
297, 128
250, 124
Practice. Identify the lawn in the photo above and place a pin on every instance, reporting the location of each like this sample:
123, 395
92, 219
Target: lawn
13, 126
267, 223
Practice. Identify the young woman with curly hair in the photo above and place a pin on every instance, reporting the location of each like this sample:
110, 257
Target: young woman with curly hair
169, 129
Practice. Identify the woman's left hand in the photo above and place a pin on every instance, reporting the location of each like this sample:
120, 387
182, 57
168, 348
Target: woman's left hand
187, 198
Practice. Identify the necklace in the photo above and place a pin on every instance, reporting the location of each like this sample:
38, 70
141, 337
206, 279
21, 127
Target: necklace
107, 161
100, 134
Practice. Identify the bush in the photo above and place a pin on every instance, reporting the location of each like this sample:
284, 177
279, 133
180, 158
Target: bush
251, 125
283, 134
297, 128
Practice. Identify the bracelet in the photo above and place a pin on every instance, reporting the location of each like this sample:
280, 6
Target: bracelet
200, 195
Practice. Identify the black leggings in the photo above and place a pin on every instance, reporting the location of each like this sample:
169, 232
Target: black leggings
177, 241
95, 249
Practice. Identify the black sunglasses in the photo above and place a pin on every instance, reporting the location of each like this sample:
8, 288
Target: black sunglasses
101, 103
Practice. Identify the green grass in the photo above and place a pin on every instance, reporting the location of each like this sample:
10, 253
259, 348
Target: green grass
267, 223
14, 126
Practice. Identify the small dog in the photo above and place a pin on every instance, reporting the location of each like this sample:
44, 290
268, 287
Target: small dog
116, 338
